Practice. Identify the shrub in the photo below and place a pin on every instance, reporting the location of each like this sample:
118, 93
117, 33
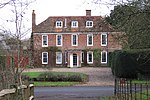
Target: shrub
110, 54
62, 76
123, 65
127, 64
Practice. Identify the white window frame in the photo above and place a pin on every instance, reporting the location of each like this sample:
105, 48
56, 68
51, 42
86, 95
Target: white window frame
59, 24
90, 52
88, 24
76, 39
102, 39
61, 43
59, 54
88, 39
43, 45
102, 57
43, 57
74, 24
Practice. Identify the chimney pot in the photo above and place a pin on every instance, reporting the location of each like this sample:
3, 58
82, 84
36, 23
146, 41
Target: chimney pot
88, 12
33, 20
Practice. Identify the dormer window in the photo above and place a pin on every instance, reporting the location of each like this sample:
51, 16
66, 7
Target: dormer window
89, 24
59, 24
74, 24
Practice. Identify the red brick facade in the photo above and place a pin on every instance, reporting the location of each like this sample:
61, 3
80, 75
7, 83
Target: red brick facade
48, 34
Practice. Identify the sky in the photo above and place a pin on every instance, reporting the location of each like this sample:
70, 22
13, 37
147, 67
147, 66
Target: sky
46, 8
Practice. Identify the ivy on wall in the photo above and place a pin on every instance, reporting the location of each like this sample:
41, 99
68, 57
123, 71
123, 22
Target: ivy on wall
97, 57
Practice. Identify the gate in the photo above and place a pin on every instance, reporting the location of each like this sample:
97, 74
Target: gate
126, 89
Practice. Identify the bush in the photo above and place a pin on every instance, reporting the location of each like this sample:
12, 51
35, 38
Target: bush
126, 64
110, 54
123, 65
62, 76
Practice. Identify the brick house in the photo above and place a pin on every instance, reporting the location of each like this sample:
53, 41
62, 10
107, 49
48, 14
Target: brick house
72, 41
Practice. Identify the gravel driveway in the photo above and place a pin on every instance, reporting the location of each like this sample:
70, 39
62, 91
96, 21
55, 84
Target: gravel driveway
97, 76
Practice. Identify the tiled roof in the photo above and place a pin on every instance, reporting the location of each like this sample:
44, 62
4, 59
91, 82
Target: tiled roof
49, 25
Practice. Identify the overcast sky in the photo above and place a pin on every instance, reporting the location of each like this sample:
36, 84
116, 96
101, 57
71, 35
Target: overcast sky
46, 8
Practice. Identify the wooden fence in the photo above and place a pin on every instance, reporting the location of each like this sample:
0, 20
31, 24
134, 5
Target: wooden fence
11, 94
130, 90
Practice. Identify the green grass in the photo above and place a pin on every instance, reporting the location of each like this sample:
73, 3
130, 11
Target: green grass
32, 74
141, 81
144, 95
55, 84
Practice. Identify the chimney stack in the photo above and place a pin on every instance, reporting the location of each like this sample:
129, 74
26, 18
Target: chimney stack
88, 12
33, 20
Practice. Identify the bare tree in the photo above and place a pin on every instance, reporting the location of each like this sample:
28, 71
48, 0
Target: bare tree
17, 30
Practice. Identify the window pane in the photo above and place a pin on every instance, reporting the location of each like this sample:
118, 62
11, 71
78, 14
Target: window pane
58, 57
74, 24
90, 40
89, 24
103, 39
59, 40
74, 39
104, 57
45, 58
90, 57
44, 40
59, 24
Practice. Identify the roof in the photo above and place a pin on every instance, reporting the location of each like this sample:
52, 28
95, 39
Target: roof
49, 25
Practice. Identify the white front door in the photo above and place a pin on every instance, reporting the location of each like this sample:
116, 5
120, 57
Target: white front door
73, 60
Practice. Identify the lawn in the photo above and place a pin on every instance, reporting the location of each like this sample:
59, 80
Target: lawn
32, 74
141, 81
55, 84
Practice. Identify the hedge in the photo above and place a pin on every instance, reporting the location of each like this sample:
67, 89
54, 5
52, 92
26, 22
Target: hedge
61, 77
127, 64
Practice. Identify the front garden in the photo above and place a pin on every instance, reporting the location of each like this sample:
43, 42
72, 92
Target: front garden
56, 78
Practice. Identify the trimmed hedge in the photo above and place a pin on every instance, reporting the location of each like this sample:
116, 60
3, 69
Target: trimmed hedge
62, 77
127, 64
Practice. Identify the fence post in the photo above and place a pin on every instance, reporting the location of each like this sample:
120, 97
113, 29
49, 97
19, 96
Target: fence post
31, 86
13, 96
26, 90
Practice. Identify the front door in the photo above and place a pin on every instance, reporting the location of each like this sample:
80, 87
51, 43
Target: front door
73, 60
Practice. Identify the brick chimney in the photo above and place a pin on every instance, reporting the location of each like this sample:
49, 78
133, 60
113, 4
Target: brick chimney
88, 12
33, 20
